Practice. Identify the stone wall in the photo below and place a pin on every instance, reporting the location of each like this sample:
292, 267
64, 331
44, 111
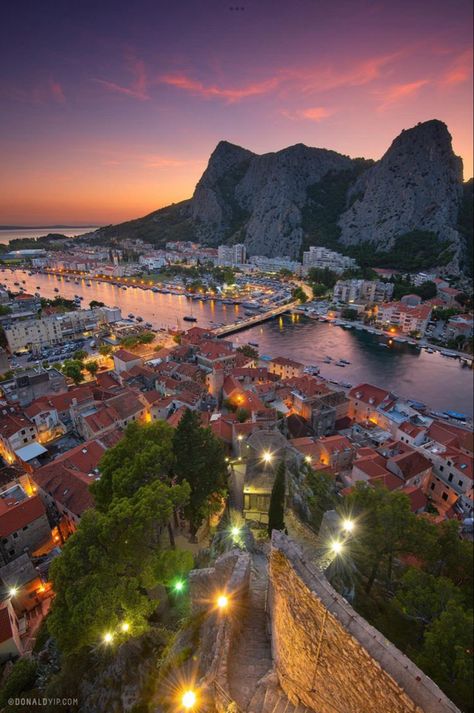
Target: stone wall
328, 657
230, 574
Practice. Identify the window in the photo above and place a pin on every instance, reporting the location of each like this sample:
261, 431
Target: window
432, 486
460, 482
445, 496
441, 467
450, 477
15, 535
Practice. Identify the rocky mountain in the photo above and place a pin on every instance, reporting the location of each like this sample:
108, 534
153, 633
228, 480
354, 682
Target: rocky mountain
280, 203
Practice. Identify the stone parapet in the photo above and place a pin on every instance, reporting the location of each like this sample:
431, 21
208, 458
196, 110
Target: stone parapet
328, 657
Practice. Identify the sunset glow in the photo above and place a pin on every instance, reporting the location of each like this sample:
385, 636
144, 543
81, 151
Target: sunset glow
112, 112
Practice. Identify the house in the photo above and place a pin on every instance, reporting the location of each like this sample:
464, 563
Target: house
23, 525
285, 368
124, 360
45, 416
364, 402
16, 431
63, 484
22, 575
411, 466
30, 386
10, 643
448, 295
211, 353
336, 452
405, 318
116, 412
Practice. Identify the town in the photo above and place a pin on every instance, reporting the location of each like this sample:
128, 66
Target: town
287, 449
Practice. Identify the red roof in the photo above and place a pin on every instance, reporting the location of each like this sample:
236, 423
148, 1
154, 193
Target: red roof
284, 361
418, 499
15, 517
369, 394
68, 487
125, 356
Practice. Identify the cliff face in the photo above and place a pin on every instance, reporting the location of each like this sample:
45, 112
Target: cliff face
280, 203
416, 185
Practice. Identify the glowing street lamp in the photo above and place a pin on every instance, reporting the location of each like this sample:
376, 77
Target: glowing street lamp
124, 627
222, 602
308, 459
267, 457
235, 532
348, 525
336, 547
178, 586
108, 637
13, 591
188, 699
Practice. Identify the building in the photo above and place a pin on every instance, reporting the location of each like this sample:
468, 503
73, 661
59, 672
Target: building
325, 258
23, 525
364, 402
16, 431
365, 291
396, 316
275, 264
231, 255
285, 368
10, 643
33, 385
125, 361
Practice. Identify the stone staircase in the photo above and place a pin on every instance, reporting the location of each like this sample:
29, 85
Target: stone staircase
253, 684
251, 658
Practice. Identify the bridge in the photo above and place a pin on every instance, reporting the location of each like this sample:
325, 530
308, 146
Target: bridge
252, 321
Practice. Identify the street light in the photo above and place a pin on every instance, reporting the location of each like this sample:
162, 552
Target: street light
336, 547
125, 626
188, 699
222, 601
178, 586
13, 591
267, 457
348, 525
108, 638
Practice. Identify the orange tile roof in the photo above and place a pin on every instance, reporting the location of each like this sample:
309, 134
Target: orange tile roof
17, 516
6, 631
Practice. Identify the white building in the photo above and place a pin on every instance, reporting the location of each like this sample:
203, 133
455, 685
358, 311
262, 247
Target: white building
231, 255
365, 291
275, 264
325, 258
404, 318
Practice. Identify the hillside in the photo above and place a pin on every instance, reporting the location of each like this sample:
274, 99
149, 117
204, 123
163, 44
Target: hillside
405, 210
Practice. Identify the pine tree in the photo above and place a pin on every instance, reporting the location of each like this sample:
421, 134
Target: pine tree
277, 501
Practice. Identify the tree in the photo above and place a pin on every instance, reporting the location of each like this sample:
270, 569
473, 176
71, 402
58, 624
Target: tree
146, 337
21, 678
73, 370
80, 354
423, 597
321, 494
446, 655
348, 313
319, 289
96, 303
105, 350
387, 528
199, 460
143, 455
92, 367
242, 414
285, 273
4, 310
248, 351
100, 579
323, 275
276, 511
299, 294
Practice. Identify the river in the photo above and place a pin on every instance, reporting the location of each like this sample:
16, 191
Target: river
439, 381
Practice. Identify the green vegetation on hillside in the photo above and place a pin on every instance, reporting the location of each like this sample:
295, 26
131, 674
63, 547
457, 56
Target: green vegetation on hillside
412, 251
326, 200
466, 225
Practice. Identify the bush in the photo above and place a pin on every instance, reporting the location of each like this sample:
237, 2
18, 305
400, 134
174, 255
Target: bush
21, 679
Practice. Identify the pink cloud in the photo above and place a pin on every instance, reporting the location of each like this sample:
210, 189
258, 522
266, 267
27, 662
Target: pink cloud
182, 81
44, 92
459, 71
399, 92
138, 88
314, 113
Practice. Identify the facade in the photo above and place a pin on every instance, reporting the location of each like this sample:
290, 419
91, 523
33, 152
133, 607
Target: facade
231, 255
16, 431
404, 318
366, 291
10, 643
285, 368
325, 258
23, 526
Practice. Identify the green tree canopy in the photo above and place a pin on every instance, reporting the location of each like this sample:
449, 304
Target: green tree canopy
92, 367
200, 460
72, 368
101, 575
322, 496
105, 349
143, 455
276, 511
447, 654
423, 597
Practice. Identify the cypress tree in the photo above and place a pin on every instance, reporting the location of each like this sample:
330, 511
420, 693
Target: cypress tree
277, 501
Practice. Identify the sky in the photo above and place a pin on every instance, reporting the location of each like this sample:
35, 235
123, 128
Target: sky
110, 110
